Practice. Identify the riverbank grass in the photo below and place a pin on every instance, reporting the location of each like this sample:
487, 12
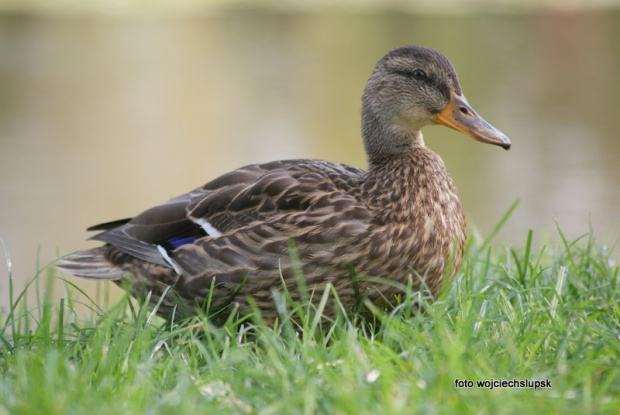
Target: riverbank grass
520, 330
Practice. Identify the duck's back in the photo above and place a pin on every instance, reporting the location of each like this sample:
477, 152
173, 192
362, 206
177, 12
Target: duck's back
235, 232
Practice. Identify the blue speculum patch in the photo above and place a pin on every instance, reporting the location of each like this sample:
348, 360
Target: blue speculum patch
177, 242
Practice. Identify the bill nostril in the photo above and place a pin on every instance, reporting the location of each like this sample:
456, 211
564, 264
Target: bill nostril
465, 110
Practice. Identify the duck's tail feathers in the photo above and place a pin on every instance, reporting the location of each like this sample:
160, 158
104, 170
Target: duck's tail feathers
90, 264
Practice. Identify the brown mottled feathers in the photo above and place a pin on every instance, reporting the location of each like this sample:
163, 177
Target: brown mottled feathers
335, 215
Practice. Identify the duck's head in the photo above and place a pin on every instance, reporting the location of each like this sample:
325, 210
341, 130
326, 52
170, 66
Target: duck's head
412, 87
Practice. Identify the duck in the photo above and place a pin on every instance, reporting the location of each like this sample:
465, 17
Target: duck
310, 228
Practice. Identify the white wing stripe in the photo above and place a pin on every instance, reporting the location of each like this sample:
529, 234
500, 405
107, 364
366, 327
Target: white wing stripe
208, 228
164, 254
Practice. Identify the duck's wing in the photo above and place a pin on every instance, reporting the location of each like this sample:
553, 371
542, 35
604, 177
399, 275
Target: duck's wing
275, 200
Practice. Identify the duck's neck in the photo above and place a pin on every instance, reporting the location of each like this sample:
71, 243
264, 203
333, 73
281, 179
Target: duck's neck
386, 139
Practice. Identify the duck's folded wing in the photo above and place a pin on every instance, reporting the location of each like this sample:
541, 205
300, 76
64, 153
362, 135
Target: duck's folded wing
283, 187
249, 195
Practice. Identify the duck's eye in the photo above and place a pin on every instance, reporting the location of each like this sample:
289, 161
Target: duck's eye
418, 74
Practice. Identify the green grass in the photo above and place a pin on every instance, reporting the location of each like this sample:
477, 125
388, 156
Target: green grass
524, 314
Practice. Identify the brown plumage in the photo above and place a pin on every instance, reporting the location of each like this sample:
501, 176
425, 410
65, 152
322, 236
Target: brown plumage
230, 240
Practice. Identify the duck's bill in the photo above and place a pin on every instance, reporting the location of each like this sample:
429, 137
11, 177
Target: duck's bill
462, 117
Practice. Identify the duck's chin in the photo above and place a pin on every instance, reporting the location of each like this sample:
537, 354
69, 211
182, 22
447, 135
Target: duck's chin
413, 120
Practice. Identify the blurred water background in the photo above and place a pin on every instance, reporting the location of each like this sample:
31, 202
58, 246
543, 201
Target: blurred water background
108, 108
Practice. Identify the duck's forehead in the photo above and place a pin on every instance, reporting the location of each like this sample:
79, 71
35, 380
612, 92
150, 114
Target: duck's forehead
417, 57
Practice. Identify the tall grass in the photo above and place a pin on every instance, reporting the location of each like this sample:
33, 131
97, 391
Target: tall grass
512, 313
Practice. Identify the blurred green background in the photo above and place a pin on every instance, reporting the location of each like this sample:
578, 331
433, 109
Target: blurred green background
110, 107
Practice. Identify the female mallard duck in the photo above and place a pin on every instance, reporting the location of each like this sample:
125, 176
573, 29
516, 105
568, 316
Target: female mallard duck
230, 239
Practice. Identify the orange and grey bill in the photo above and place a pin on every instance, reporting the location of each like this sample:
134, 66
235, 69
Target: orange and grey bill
460, 116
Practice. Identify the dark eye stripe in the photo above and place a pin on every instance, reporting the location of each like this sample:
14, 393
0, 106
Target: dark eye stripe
417, 74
